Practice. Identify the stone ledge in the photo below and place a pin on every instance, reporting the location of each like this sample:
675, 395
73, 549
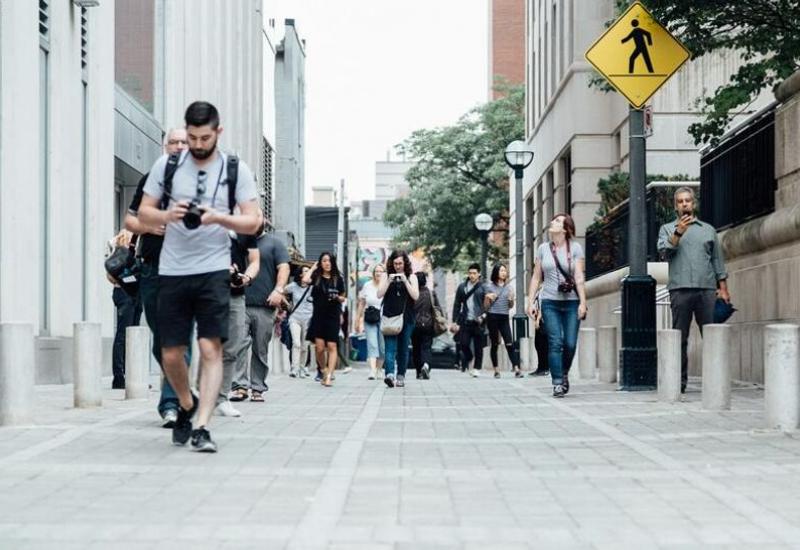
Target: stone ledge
610, 282
788, 88
780, 227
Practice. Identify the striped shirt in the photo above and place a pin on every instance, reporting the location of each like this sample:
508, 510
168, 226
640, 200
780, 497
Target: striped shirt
504, 293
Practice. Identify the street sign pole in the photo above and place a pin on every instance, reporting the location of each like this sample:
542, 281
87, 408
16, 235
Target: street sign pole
638, 356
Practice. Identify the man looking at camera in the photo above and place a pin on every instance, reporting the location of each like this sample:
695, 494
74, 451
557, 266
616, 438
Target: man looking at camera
196, 208
696, 271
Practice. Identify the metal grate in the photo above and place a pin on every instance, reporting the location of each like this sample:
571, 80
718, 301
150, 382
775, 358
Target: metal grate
44, 19
84, 37
266, 177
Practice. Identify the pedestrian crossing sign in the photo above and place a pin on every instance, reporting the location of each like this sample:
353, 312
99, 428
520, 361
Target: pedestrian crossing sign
637, 55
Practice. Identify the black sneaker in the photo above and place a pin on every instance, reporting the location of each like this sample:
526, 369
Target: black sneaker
182, 430
537, 372
201, 441
558, 391
389, 380
419, 375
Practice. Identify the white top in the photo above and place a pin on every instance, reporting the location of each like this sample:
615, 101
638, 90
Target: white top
552, 275
370, 294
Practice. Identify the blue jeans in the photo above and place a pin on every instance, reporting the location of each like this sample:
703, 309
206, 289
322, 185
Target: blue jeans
561, 323
397, 349
375, 341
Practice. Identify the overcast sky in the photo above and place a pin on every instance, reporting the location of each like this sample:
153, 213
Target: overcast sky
376, 70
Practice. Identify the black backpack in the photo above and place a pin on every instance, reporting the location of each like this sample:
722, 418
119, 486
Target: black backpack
231, 177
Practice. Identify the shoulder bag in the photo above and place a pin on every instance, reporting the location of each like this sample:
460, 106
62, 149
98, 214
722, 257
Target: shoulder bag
393, 325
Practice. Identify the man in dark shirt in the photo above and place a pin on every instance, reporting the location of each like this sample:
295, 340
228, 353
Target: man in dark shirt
149, 250
468, 316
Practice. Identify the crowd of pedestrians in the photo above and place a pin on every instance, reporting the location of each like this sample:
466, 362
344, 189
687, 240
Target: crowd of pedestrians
207, 269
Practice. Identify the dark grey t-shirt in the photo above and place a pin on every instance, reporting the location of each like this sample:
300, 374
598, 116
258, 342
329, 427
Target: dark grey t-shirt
207, 248
273, 253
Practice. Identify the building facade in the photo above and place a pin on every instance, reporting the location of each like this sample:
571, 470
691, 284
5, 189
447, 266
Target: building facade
506, 43
290, 105
390, 179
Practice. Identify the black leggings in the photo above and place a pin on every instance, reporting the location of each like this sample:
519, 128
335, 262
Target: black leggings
499, 325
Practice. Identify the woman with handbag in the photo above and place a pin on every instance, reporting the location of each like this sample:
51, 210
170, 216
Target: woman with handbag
424, 328
498, 301
299, 319
399, 290
559, 268
369, 320
328, 295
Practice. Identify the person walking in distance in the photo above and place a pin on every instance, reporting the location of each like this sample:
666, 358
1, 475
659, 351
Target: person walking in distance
696, 271
328, 295
399, 289
128, 303
498, 302
369, 320
468, 319
262, 297
150, 241
422, 338
299, 320
195, 200
245, 264
559, 267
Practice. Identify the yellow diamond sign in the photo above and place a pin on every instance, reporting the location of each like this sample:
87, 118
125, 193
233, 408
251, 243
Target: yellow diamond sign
637, 55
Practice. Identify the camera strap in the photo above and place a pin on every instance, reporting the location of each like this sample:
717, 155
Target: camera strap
567, 275
297, 305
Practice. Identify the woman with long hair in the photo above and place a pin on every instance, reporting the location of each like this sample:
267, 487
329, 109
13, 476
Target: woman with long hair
399, 289
498, 302
328, 295
559, 268
422, 338
299, 320
368, 320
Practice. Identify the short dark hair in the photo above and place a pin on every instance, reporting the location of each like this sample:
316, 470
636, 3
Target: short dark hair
201, 113
475, 266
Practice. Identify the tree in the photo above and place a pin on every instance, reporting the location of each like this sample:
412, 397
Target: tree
459, 172
763, 32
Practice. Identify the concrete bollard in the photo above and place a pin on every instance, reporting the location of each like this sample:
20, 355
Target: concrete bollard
587, 353
607, 354
669, 365
17, 368
137, 362
782, 376
525, 362
717, 367
87, 363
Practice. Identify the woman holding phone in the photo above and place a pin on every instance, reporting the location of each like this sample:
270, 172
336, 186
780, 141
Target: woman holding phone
559, 268
399, 289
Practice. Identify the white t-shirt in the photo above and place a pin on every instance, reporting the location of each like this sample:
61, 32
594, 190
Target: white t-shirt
370, 294
207, 248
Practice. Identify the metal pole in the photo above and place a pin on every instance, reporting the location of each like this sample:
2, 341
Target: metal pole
484, 238
341, 253
520, 316
637, 232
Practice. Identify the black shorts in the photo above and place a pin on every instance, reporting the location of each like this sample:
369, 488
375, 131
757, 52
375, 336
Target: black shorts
184, 299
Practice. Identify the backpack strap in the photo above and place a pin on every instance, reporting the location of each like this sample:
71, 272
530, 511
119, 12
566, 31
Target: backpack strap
231, 178
169, 172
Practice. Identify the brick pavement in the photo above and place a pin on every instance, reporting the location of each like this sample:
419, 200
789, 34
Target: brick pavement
448, 463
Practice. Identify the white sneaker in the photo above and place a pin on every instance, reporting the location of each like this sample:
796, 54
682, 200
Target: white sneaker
475, 373
305, 372
371, 374
227, 409
170, 417
292, 373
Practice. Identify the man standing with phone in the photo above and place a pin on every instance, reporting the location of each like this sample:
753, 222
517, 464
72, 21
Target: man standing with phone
696, 271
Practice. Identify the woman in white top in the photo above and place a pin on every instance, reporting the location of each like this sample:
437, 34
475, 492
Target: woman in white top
299, 319
369, 320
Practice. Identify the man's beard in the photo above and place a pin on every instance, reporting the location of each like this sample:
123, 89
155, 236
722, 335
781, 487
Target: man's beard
203, 154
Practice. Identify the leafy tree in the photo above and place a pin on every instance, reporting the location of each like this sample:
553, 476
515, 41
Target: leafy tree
459, 172
763, 32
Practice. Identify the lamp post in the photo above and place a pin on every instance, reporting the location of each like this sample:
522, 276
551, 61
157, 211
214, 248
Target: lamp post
519, 156
483, 223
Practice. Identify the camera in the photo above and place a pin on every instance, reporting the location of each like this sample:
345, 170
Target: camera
193, 217
395, 277
566, 287
333, 295
237, 279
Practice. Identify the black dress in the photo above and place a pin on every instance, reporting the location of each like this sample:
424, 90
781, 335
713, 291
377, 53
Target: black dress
327, 309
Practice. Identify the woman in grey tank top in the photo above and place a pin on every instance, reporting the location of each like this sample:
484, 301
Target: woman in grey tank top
498, 301
559, 268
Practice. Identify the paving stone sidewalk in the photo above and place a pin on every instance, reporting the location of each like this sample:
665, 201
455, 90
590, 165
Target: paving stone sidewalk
453, 462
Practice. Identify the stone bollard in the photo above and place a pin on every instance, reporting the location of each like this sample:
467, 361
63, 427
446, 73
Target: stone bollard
669, 365
137, 362
607, 354
87, 363
525, 362
587, 353
782, 376
17, 368
717, 367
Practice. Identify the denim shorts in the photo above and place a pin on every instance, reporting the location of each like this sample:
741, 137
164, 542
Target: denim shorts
375, 347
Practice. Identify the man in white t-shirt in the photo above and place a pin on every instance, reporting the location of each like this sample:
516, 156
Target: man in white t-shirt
194, 280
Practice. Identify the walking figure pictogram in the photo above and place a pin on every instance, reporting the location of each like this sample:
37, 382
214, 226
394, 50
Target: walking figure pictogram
639, 35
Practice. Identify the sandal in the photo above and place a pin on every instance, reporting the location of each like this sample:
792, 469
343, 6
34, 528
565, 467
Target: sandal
257, 396
239, 394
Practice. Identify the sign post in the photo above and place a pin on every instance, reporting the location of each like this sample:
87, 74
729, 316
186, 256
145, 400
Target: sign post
637, 56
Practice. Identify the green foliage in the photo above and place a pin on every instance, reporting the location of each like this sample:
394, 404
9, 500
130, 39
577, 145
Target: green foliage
764, 33
459, 172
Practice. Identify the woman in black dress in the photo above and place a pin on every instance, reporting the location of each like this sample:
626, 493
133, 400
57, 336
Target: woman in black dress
328, 295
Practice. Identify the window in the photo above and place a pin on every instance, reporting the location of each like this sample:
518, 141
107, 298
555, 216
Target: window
567, 167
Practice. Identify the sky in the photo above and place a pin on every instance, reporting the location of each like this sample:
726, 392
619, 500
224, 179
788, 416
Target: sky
376, 70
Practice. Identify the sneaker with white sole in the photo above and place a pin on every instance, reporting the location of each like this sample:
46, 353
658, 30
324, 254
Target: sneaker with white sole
292, 373
305, 373
202, 442
226, 408
170, 416
475, 373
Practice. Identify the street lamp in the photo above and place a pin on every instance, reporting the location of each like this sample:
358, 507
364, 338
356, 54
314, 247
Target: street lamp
483, 223
518, 157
